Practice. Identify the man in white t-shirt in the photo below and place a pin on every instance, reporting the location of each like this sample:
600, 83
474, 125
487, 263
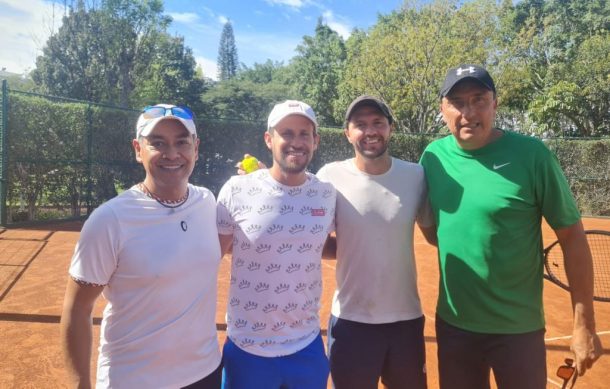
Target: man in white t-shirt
153, 252
277, 220
376, 326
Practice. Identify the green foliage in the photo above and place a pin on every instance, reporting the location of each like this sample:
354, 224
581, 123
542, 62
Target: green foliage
223, 144
242, 100
66, 158
262, 73
554, 62
404, 57
66, 154
586, 164
317, 70
120, 54
227, 54
169, 77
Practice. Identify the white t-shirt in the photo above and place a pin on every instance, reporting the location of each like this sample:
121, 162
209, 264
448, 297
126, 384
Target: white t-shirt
375, 216
160, 269
276, 281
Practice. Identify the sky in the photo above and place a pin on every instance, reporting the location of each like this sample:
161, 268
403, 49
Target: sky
263, 29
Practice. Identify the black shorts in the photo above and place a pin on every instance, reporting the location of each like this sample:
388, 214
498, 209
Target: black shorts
465, 359
360, 354
211, 381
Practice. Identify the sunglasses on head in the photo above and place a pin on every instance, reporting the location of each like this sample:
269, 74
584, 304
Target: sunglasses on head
155, 111
566, 372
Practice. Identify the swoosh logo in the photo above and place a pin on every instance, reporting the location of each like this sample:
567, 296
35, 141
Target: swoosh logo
496, 167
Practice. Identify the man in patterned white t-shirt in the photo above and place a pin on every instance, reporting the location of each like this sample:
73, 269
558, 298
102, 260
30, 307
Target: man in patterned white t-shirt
277, 221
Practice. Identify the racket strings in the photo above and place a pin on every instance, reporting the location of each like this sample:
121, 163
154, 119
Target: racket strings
599, 243
600, 251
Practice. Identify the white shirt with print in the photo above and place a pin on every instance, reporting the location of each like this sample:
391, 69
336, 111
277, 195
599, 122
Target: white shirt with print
278, 235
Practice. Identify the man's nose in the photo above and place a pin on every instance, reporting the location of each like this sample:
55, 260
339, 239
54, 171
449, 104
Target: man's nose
467, 110
171, 152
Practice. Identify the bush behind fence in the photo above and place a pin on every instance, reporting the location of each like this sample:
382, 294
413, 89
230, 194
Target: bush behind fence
66, 157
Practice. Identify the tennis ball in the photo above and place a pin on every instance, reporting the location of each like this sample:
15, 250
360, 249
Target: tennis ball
249, 164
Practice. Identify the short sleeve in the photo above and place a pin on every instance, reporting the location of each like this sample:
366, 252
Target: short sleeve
96, 254
553, 192
322, 174
224, 217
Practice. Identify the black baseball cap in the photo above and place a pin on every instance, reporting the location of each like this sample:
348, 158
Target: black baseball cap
369, 101
465, 72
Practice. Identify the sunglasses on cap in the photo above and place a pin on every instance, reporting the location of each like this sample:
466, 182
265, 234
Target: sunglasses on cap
156, 111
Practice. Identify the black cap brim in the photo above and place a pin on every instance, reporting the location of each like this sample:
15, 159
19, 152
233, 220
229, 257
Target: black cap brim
366, 100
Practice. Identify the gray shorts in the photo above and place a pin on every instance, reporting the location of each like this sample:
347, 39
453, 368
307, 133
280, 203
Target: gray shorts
465, 359
360, 354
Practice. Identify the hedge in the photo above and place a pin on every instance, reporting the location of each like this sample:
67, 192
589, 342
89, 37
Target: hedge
67, 157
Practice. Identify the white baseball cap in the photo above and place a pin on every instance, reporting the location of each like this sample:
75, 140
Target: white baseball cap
152, 115
290, 107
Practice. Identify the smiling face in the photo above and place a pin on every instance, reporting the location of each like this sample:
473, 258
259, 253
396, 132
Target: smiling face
368, 130
469, 110
168, 155
292, 143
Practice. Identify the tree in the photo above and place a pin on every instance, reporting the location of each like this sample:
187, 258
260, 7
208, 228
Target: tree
242, 100
262, 73
403, 59
555, 64
317, 70
227, 54
94, 53
170, 76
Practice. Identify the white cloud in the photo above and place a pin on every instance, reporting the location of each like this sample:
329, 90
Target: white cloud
339, 24
185, 18
259, 47
223, 19
296, 4
210, 68
26, 26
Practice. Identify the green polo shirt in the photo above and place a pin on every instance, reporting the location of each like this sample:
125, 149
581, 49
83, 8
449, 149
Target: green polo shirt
488, 204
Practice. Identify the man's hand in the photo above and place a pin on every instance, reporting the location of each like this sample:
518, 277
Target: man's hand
587, 348
240, 167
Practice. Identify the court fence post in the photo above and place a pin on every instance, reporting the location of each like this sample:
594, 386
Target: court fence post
3, 152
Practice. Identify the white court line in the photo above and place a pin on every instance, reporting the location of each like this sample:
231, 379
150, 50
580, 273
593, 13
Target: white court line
557, 384
570, 336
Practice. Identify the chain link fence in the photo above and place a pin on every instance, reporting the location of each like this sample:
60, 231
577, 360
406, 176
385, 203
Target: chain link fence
61, 158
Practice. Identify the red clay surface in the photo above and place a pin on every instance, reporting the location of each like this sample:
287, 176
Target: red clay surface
33, 268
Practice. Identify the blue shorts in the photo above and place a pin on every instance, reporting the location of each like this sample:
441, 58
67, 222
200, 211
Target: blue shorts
361, 354
305, 369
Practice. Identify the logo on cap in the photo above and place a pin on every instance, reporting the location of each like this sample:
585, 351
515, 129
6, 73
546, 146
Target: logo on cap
469, 69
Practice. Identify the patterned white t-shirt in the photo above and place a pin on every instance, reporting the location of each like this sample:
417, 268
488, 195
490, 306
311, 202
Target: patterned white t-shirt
276, 281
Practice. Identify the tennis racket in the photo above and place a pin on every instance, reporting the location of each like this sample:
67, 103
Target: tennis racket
599, 242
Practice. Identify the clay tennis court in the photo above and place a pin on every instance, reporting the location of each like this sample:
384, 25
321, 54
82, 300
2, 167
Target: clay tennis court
33, 268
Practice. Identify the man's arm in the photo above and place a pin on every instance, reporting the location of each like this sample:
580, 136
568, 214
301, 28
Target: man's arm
76, 331
579, 269
226, 243
330, 247
430, 234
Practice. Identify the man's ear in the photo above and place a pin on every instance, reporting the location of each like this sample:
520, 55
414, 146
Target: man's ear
346, 133
316, 141
267, 138
138, 149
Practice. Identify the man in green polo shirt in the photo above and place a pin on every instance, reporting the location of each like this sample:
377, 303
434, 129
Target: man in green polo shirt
488, 190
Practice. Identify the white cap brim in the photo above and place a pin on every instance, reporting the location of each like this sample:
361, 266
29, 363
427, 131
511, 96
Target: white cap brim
146, 126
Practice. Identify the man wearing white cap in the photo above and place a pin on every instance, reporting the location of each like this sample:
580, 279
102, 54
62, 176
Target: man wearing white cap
277, 221
153, 252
